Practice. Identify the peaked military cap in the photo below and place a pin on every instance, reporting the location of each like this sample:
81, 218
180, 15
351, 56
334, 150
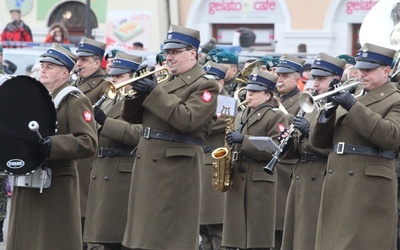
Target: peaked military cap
372, 56
124, 63
90, 47
215, 69
290, 64
260, 80
57, 54
348, 59
111, 54
325, 65
181, 37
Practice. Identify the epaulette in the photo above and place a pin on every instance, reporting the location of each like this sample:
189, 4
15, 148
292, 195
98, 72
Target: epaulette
64, 93
275, 109
209, 77
75, 94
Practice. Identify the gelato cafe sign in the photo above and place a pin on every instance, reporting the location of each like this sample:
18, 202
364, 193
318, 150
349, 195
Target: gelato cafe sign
215, 7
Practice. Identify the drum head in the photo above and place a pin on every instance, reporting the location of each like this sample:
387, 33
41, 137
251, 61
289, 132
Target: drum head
23, 99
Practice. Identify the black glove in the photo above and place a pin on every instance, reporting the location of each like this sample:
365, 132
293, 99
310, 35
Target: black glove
302, 125
142, 69
145, 85
344, 99
334, 83
332, 110
99, 115
234, 137
44, 145
352, 89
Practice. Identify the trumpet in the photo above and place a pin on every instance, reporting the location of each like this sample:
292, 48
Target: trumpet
111, 89
308, 102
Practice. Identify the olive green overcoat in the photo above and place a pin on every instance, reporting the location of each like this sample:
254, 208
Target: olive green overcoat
51, 220
358, 206
164, 205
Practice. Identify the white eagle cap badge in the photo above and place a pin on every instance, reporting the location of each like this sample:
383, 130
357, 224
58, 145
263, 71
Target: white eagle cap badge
208, 66
254, 75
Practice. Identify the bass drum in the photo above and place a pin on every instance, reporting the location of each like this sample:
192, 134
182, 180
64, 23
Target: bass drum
23, 99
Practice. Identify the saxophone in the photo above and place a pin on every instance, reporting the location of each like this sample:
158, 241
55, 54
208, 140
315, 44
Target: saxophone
222, 168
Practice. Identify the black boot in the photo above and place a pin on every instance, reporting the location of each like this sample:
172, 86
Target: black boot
1, 230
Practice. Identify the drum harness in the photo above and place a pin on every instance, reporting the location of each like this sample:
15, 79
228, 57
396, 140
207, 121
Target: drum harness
42, 179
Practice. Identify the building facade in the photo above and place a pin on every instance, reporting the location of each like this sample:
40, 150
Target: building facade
330, 26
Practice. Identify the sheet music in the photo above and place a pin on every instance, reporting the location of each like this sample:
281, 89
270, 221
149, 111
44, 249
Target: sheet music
227, 102
264, 143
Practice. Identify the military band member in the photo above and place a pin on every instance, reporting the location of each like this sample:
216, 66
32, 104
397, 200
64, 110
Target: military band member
160, 60
91, 81
212, 201
269, 64
164, 205
51, 220
107, 204
249, 220
229, 60
110, 59
358, 204
289, 72
350, 72
304, 195
90, 76
205, 48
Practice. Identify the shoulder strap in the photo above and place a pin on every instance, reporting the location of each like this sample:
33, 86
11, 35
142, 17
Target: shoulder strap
209, 77
63, 94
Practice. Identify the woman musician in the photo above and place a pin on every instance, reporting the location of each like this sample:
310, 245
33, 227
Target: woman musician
249, 220
304, 195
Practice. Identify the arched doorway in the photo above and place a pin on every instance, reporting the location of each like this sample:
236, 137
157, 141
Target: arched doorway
73, 16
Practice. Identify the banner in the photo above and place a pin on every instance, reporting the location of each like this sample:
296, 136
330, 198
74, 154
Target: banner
124, 27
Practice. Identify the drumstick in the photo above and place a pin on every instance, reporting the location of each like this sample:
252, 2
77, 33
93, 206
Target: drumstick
34, 127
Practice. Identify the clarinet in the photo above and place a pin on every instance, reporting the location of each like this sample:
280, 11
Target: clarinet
271, 165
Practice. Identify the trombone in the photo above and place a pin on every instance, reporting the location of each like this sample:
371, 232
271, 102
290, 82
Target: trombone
308, 102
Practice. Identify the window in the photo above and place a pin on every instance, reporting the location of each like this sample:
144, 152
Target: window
73, 16
224, 33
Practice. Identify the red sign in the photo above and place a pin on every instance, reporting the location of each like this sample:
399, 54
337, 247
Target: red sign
238, 6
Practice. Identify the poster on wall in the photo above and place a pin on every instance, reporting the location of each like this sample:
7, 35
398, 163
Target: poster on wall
124, 27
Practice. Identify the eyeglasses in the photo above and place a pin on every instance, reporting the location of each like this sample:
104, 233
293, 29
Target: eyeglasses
175, 52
